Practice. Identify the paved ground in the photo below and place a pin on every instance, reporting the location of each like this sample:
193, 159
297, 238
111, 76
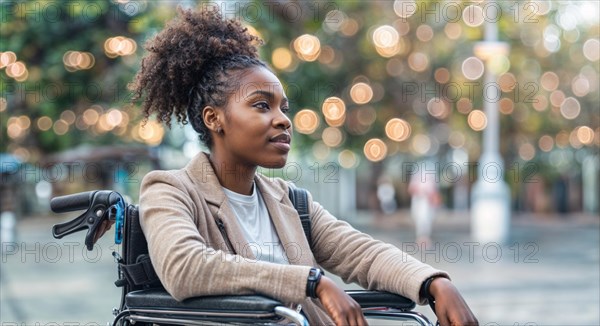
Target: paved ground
548, 274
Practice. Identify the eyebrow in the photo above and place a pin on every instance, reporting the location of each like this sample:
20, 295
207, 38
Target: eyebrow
270, 95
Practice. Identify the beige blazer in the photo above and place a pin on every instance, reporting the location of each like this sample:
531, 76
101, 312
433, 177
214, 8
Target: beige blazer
197, 246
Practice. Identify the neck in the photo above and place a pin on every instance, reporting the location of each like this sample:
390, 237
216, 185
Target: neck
232, 174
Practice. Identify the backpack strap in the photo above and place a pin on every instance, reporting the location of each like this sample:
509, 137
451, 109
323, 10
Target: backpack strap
299, 198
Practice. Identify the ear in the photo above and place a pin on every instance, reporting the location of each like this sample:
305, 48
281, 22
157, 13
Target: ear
210, 115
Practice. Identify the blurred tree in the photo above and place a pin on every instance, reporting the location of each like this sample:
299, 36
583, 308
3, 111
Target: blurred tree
60, 79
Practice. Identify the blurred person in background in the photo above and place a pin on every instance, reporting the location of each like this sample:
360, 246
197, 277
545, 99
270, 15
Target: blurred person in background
425, 198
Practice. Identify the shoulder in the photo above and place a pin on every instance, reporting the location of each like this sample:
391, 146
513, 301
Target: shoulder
163, 176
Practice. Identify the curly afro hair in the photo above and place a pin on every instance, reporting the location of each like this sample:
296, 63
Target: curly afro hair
189, 65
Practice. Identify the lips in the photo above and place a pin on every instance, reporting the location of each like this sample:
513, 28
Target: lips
281, 142
281, 138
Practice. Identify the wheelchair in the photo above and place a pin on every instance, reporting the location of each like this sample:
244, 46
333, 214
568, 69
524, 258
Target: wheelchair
144, 301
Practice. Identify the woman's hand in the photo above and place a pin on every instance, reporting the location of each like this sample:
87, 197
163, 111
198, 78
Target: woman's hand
339, 305
104, 226
450, 307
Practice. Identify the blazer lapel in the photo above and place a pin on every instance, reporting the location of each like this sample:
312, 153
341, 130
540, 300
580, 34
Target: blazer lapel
286, 222
203, 175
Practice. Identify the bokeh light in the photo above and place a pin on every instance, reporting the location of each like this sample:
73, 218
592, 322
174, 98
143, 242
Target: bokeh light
327, 56
119, 46
591, 49
306, 121
464, 105
151, 133
405, 8
562, 139
91, 116
18, 71
546, 143
307, 47
385, 36
44, 123
350, 27
585, 135
397, 129
549, 81
281, 58
540, 103
418, 61
334, 20
580, 86
526, 152
76, 60
7, 58
570, 108
557, 98
68, 116
420, 144
375, 150
424, 33
473, 16
507, 82
477, 120
453, 30
60, 127
438, 108
506, 105
361, 93
442, 75
472, 68
332, 136
347, 159
333, 108
456, 139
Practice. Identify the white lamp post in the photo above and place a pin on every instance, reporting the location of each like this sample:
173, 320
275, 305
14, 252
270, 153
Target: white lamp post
490, 196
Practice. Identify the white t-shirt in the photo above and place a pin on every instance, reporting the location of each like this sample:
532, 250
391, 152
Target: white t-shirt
253, 216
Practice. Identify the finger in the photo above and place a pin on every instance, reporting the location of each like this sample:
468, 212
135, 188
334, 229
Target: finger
105, 226
362, 321
442, 318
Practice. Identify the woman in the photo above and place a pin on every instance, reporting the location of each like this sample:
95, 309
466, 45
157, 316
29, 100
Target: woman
216, 227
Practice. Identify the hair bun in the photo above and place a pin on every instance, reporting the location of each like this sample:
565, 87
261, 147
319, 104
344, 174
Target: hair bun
185, 55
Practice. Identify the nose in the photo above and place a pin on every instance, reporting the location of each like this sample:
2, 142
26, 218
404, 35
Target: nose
282, 121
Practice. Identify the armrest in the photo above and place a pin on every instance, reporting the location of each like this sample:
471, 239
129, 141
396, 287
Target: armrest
372, 299
161, 300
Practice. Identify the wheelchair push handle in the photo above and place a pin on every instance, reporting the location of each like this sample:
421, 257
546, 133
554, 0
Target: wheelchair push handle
100, 206
74, 202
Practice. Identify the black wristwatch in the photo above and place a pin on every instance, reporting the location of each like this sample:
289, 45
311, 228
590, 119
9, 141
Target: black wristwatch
314, 276
424, 291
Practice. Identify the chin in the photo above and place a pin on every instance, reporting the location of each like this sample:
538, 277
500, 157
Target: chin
275, 164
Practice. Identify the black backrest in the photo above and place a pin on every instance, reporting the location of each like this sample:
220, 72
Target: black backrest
134, 248
134, 241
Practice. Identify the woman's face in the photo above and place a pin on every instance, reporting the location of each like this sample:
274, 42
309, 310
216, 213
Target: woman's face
256, 128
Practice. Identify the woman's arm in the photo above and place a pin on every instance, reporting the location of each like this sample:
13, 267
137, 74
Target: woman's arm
357, 257
450, 307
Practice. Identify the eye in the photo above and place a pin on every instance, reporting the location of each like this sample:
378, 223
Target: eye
285, 110
262, 105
